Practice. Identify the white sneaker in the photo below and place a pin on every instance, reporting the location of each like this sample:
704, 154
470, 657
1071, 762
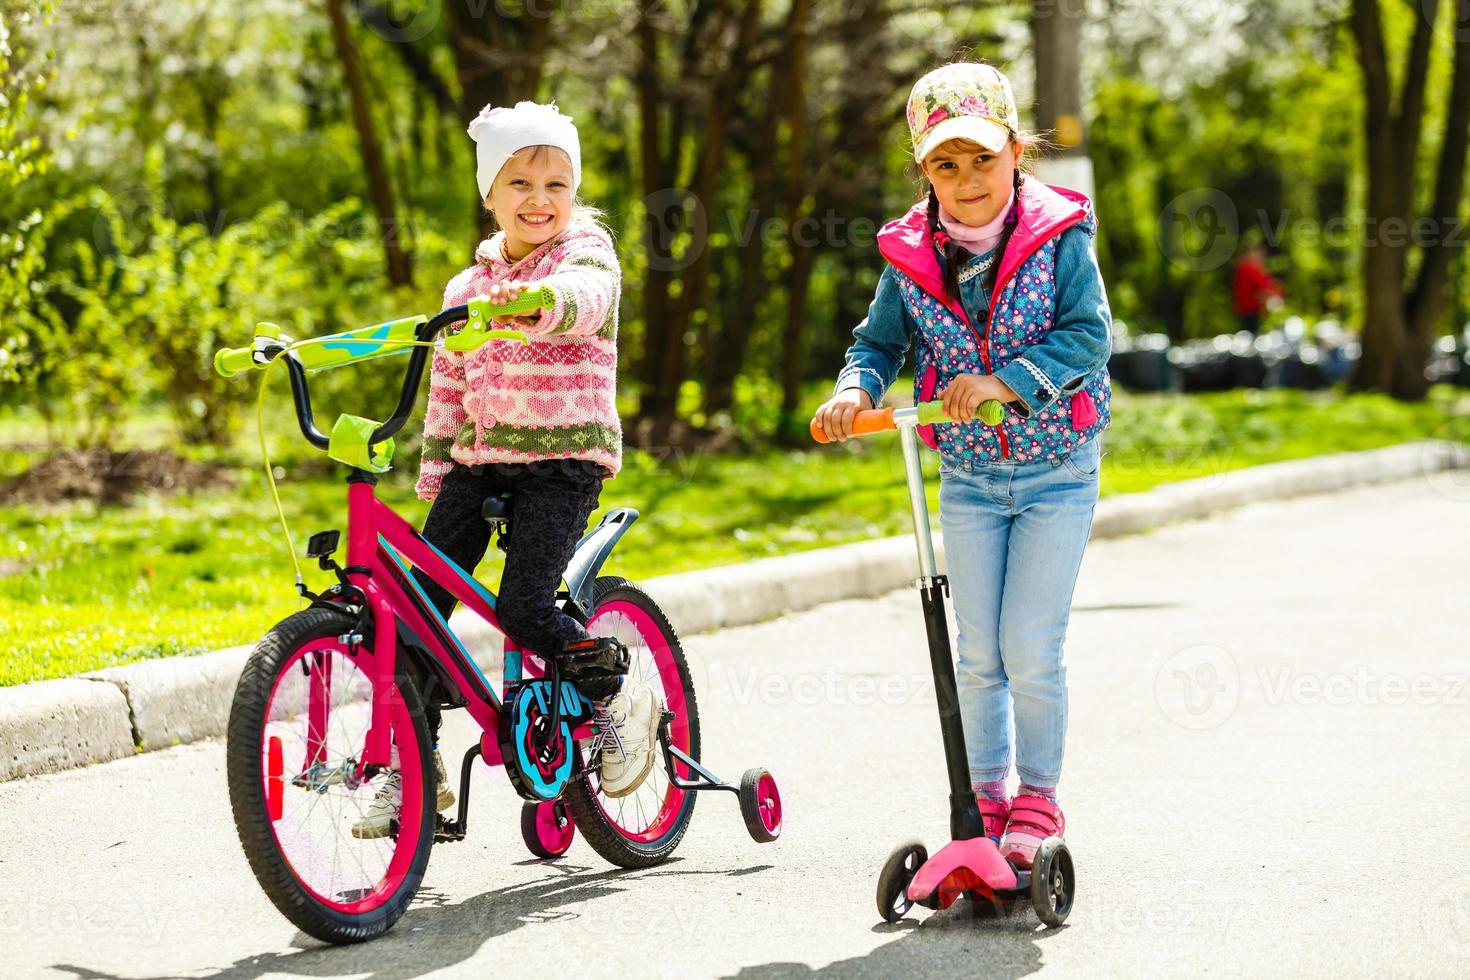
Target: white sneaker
388, 802
630, 725
383, 810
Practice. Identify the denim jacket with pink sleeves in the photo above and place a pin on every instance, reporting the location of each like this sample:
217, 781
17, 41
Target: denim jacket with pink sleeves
1047, 334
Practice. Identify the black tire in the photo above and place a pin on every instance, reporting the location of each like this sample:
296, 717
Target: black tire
247, 796
1053, 882
529, 833
893, 881
592, 822
750, 807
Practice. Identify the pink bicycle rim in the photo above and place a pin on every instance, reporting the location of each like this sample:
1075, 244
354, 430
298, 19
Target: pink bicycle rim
410, 819
668, 671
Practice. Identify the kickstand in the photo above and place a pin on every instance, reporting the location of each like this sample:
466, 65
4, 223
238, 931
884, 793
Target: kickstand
453, 830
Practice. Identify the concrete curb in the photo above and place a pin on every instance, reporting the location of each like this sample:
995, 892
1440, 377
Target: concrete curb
177, 699
108, 714
52, 725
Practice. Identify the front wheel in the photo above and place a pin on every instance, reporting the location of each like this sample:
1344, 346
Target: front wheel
898, 873
642, 828
329, 851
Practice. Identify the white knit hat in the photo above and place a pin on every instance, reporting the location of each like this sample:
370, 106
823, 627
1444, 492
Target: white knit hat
499, 133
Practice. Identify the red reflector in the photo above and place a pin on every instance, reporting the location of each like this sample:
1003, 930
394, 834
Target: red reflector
275, 784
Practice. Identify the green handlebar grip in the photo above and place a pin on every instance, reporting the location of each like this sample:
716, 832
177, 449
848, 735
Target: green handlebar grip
991, 412
536, 298
230, 362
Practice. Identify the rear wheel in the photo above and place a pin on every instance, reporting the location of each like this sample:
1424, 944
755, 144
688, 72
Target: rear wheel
297, 729
642, 828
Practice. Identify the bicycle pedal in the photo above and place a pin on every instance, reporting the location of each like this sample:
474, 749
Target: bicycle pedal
446, 831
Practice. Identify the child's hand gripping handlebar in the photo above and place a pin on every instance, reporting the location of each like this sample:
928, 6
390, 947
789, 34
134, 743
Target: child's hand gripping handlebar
873, 420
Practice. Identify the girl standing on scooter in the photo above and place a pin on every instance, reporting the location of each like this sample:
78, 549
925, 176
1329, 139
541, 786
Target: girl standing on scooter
992, 278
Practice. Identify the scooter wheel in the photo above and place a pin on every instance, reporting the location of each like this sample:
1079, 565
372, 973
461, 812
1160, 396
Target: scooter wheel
760, 805
547, 828
1053, 882
893, 882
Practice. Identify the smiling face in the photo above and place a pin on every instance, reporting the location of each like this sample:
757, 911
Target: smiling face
972, 183
532, 198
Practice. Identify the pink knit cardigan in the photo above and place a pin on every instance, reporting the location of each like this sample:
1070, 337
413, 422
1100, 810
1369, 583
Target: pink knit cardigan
551, 398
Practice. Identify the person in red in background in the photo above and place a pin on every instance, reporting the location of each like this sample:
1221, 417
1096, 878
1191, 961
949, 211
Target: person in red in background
1255, 288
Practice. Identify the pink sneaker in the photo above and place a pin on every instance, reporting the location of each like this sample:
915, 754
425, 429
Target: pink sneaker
1032, 820
993, 813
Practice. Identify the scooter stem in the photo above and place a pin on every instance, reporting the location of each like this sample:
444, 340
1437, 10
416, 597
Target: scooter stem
964, 816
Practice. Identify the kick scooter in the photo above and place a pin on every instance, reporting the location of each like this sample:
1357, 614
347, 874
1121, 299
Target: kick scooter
971, 863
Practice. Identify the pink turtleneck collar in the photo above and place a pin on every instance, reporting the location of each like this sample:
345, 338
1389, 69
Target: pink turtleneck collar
978, 239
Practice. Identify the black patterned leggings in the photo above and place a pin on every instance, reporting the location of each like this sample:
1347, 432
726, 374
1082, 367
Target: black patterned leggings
551, 502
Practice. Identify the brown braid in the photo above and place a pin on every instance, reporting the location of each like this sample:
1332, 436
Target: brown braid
953, 252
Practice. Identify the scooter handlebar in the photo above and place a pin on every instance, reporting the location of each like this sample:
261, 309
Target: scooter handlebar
864, 423
872, 420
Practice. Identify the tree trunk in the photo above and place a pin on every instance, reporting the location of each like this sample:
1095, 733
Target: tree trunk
498, 57
1427, 301
379, 189
695, 279
1400, 321
802, 256
656, 238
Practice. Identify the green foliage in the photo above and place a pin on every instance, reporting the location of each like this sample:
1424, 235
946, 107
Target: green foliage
24, 73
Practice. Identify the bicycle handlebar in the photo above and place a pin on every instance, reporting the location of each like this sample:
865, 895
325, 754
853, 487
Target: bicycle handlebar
412, 335
869, 421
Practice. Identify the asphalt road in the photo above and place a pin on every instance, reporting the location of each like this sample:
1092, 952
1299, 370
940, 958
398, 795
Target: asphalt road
1266, 775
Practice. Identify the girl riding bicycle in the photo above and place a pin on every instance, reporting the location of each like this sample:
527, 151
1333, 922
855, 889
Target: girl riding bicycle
535, 421
993, 280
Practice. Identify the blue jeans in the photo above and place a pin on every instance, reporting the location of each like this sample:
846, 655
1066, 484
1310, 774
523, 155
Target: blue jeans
1013, 540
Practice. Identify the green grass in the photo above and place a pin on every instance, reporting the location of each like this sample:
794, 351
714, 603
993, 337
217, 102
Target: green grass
83, 587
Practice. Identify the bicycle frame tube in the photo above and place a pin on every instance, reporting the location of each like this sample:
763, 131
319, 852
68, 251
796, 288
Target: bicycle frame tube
380, 546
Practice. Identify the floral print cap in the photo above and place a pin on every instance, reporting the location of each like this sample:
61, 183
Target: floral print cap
962, 100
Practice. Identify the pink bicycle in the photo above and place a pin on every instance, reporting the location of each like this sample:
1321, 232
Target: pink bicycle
334, 701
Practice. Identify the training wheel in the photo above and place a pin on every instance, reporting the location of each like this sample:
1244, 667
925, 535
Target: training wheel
1053, 882
894, 880
760, 805
547, 828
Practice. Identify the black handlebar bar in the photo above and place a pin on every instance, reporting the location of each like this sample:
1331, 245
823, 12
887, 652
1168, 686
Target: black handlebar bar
426, 332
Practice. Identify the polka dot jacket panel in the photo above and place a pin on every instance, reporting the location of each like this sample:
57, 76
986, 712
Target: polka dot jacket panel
946, 347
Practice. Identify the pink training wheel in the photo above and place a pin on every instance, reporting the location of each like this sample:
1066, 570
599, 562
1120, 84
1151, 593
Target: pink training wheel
547, 828
760, 805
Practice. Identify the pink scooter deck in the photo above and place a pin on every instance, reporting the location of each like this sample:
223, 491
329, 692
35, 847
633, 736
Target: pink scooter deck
961, 866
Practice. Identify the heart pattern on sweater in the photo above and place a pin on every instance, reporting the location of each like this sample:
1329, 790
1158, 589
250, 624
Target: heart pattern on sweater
546, 407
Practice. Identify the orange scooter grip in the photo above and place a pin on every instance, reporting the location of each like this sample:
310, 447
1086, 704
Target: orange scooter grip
863, 424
